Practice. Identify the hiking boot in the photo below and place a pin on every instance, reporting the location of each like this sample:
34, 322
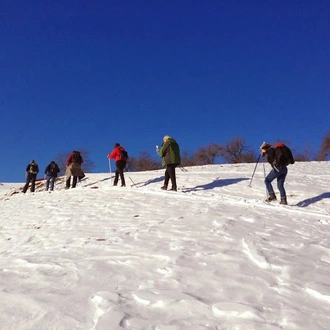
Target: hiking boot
123, 185
173, 189
283, 201
67, 187
164, 187
271, 197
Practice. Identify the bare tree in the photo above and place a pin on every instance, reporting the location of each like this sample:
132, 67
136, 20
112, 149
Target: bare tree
61, 159
236, 151
300, 157
187, 159
304, 156
207, 155
249, 157
144, 162
325, 148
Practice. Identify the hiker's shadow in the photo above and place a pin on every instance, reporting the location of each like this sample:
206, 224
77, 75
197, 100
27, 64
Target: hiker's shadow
215, 184
155, 180
312, 200
92, 183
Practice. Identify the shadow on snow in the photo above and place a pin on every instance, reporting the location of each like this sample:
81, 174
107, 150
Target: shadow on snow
92, 183
155, 180
216, 184
312, 200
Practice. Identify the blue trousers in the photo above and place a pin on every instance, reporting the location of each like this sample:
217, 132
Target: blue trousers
51, 180
280, 175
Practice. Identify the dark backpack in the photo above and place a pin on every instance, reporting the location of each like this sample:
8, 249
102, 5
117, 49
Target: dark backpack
123, 154
53, 168
283, 155
76, 157
34, 168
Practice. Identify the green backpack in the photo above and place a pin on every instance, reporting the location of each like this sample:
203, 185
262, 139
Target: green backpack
34, 168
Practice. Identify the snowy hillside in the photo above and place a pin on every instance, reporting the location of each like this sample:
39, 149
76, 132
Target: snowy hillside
213, 255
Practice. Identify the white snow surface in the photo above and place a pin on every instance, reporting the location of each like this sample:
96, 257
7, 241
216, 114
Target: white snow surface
213, 255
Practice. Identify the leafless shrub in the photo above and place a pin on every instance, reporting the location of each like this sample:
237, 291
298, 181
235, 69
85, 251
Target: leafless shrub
187, 159
236, 151
249, 157
144, 162
324, 152
305, 156
207, 155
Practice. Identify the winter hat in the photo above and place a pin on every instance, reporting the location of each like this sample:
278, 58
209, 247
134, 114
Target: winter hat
265, 146
117, 145
166, 137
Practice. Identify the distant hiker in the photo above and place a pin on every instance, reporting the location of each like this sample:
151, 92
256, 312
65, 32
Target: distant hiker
170, 154
279, 171
120, 156
73, 168
31, 174
51, 172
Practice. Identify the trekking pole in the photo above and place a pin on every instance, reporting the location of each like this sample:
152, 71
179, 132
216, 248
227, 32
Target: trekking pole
110, 169
109, 166
132, 181
183, 169
264, 179
249, 185
126, 167
266, 191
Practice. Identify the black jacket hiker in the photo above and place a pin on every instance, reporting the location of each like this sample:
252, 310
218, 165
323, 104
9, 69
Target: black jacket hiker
31, 174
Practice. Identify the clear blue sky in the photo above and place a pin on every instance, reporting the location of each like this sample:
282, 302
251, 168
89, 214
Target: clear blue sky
87, 74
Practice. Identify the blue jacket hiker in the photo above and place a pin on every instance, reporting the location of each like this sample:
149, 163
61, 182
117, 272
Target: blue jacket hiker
51, 172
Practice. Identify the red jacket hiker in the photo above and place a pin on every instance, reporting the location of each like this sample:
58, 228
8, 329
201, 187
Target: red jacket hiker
120, 164
116, 153
70, 160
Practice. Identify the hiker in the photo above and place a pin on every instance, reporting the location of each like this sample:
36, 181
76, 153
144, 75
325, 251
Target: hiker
73, 168
31, 174
51, 171
279, 171
170, 154
119, 154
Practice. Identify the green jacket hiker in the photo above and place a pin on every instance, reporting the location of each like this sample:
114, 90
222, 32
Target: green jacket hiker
170, 154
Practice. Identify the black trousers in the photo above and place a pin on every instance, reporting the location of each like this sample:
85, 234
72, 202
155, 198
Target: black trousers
74, 182
120, 166
70, 171
30, 178
170, 174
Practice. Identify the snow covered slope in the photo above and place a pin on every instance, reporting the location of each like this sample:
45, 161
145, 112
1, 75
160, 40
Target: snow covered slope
212, 255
